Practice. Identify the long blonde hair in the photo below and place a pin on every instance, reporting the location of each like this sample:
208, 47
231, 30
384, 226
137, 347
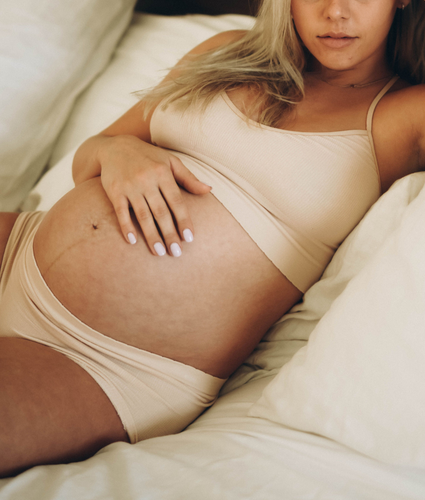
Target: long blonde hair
270, 58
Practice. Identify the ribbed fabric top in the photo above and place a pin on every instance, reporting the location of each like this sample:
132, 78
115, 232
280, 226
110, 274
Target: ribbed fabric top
297, 194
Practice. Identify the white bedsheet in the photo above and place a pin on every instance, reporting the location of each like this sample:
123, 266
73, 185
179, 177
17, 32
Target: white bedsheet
224, 454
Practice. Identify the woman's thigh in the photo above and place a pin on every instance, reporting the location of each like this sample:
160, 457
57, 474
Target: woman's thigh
51, 410
7, 220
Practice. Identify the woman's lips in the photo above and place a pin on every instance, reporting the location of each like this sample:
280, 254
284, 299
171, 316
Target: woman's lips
336, 41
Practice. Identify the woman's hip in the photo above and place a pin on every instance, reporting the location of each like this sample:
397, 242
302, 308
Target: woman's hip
153, 395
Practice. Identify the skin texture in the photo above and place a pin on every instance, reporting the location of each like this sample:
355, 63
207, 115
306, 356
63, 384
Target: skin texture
366, 21
398, 123
223, 293
207, 308
51, 410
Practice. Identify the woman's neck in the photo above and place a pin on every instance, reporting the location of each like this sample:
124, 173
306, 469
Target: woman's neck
369, 73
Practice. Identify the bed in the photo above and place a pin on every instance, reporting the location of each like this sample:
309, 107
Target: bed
331, 404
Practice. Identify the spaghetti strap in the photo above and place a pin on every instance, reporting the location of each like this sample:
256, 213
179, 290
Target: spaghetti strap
369, 124
375, 102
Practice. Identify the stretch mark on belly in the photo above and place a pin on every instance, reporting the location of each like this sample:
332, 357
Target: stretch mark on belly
63, 252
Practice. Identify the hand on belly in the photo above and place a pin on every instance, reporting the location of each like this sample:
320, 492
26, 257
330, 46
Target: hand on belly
207, 307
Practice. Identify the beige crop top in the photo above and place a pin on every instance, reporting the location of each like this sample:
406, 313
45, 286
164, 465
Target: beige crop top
297, 194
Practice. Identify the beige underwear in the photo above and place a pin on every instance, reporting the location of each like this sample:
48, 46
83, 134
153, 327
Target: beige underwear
153, 395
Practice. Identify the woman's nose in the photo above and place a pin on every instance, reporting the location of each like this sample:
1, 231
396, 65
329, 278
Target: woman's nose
336, 9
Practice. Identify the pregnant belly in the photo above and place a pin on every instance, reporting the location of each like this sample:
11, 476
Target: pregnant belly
207, 308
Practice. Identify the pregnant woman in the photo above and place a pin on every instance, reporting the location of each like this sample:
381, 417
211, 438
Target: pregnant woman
198, 219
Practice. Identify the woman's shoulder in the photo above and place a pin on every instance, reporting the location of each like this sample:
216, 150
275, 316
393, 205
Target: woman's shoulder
407, 95
399, 128
404, 104
412, 105
219, 40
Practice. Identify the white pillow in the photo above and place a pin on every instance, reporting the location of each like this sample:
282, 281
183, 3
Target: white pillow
360, 380
50, 51
292, 332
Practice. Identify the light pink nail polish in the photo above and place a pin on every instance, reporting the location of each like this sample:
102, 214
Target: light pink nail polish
187, 235
175, 249
131, 238
159, 249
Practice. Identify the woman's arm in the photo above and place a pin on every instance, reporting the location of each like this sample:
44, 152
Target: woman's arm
410, 119
86, 163
136, 173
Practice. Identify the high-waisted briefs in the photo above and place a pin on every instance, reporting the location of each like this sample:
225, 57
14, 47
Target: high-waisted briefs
152, 395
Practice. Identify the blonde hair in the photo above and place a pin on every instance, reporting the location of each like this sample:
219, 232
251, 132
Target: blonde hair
270, 59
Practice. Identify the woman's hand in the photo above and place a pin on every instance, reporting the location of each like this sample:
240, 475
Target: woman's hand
137, 174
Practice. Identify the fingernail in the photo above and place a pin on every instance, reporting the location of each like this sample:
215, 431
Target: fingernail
131, 238
175, 249
159, 249
187, 235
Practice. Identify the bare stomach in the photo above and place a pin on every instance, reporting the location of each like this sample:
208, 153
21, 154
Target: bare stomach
207, 308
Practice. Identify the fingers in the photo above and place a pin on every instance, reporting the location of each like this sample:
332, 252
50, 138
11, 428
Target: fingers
157, 202
161, 215
145, 219
164, 207
121, 207
186, 179
155, 214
